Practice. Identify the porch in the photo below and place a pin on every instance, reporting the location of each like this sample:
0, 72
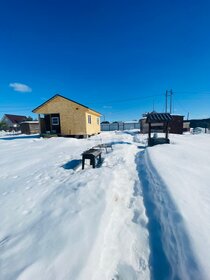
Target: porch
50, 124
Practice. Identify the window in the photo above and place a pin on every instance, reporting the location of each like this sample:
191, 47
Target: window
55, 120
89, 119
98, 121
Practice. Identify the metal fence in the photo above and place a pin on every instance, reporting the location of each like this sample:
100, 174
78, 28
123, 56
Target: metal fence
119, 126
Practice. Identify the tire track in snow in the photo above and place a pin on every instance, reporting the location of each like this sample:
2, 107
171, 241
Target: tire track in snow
171, 254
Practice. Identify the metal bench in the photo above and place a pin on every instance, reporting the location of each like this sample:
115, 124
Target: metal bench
104, 146
91, 154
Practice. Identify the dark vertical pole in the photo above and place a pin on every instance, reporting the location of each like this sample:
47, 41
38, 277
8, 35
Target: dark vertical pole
40, 131
171, 93
94, 162
50, 123
83, 162
149, 132
167, 130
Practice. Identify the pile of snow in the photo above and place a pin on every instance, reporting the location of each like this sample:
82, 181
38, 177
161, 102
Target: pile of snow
2, 133
9, 133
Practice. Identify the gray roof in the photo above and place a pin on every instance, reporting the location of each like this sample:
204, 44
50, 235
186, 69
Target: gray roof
158, 117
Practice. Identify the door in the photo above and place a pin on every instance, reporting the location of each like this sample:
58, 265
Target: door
55, 123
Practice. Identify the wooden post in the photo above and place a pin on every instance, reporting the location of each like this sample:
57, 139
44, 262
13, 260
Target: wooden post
149, 132
83, 162
167, 130
40, 129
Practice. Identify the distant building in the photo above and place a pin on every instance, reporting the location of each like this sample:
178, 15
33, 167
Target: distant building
29, 127
13, 121
186, 126
175, 126
64, 117
204, 123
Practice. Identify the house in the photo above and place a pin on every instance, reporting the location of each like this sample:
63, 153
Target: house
13, 121
176, 125
64, 117
29, 127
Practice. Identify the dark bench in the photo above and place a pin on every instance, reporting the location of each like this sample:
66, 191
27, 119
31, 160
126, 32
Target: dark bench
104, 146
91, 154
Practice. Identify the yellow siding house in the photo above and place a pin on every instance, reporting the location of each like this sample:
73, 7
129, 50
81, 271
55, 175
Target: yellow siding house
65, 117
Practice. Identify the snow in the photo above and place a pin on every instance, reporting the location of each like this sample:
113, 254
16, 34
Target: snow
181, 187
65, 224
144, 213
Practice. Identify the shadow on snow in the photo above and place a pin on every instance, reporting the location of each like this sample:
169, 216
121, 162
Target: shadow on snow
20, 137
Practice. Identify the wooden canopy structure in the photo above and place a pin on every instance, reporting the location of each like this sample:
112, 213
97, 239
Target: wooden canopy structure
158, 122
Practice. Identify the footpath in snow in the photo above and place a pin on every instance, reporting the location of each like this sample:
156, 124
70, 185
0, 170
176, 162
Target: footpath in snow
64, 224
176, 181
144, 214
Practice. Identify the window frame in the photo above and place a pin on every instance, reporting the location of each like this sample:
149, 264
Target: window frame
57, 121
89, 119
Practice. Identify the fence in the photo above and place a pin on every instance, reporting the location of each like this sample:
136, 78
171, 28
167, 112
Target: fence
119, 126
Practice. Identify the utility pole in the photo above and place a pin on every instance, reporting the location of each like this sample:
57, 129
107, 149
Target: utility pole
171, 93
166, 108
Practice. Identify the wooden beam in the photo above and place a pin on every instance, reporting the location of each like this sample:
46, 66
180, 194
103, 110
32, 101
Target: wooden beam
149, 132
167, 130
40, 129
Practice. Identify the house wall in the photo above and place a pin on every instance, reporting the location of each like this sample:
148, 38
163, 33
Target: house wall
186, 126
94, 127
73, 117
176, 125
7, 121
29, 128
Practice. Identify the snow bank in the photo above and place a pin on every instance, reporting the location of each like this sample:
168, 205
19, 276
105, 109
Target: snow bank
180, 181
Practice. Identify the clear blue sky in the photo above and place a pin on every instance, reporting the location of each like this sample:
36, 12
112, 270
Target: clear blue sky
113, 56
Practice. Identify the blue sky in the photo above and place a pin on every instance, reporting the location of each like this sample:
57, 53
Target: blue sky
117, 57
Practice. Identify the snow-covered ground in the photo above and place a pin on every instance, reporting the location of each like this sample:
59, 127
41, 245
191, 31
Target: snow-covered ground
179, 176
64, 224
144, 213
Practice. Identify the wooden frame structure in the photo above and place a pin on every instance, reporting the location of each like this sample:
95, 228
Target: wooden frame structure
160, 121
